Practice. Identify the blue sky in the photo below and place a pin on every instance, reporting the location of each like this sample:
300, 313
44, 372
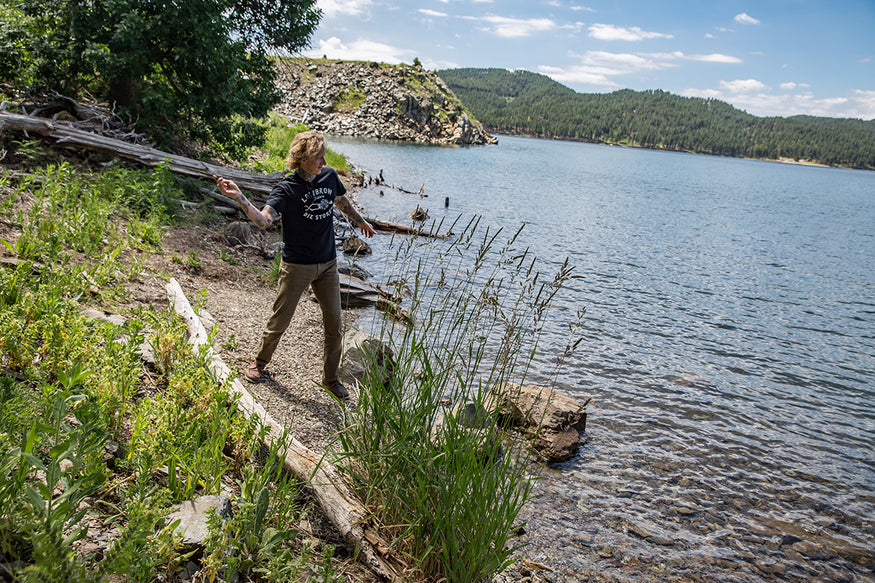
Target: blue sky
767, 57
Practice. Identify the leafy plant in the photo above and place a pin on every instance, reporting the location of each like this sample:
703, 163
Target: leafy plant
31, 153
231, 343
47, 477
279, 136
258, 540
193, 262
227, 257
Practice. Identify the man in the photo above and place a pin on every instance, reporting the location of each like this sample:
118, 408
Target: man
304, 201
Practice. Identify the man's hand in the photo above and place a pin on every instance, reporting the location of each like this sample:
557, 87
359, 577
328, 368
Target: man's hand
367, 229
228, 188
262, 218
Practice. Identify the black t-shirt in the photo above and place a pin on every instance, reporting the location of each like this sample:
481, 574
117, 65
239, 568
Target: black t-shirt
307, 214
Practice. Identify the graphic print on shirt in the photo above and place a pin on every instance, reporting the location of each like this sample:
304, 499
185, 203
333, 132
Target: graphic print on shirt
317, 204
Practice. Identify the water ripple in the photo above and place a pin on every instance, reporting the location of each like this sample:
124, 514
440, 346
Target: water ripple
729, 347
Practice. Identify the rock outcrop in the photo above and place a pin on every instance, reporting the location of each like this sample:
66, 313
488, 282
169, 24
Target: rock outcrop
375, 100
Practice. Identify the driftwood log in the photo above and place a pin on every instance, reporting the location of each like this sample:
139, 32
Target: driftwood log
391, 227
338, 502
63, 134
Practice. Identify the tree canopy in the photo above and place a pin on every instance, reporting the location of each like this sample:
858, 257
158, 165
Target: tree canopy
182, 68
527, 103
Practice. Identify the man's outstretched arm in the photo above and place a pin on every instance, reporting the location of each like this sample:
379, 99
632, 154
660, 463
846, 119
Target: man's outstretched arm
262, 218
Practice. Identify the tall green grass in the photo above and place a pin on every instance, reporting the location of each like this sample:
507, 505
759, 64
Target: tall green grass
451, 501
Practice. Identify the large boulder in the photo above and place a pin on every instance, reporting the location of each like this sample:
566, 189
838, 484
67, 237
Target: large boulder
553, 421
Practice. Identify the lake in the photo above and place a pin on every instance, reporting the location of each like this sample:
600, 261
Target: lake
729, 347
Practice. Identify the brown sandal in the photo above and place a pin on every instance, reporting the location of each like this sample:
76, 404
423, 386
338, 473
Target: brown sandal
253, 373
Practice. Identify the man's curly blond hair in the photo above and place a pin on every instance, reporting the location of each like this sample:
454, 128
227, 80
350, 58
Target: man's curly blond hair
305, 145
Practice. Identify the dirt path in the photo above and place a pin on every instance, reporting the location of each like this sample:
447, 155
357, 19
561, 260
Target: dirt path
232, 283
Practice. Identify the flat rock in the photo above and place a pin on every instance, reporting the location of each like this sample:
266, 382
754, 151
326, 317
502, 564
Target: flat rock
192, 516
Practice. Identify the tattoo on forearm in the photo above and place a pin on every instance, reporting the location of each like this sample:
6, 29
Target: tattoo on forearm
344, 205
261, 219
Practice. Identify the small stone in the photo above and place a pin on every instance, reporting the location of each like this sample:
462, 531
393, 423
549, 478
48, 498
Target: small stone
649, 531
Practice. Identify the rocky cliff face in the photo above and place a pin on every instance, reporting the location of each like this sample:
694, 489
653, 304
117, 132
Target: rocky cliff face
374, 100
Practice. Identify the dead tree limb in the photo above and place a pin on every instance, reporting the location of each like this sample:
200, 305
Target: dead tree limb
63, 134
337, 501
382, 225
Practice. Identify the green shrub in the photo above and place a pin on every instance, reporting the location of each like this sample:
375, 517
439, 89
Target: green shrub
275, 151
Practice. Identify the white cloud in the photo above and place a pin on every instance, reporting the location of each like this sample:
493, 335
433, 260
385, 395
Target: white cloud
434, 13
757, 99
433, 65
743, 86
790, 85
360, 50
348, 7
583, 75
602, 68
628, 62
864, 104
715, 58
680, 55
573, 7
599, 68
745, 18
515, 27
611, 32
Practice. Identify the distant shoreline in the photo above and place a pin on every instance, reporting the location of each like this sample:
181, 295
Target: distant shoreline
793, 161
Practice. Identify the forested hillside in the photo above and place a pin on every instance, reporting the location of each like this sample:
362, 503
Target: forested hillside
527, 103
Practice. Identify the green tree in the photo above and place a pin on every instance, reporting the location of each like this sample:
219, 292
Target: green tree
183, 68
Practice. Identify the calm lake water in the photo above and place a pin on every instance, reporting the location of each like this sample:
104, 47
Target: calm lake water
729, 348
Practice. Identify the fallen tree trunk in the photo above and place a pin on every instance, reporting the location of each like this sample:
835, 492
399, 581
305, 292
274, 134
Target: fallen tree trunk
63, 134
337, 501
381, 225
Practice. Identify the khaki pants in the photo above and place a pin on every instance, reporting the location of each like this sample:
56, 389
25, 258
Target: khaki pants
294, 279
